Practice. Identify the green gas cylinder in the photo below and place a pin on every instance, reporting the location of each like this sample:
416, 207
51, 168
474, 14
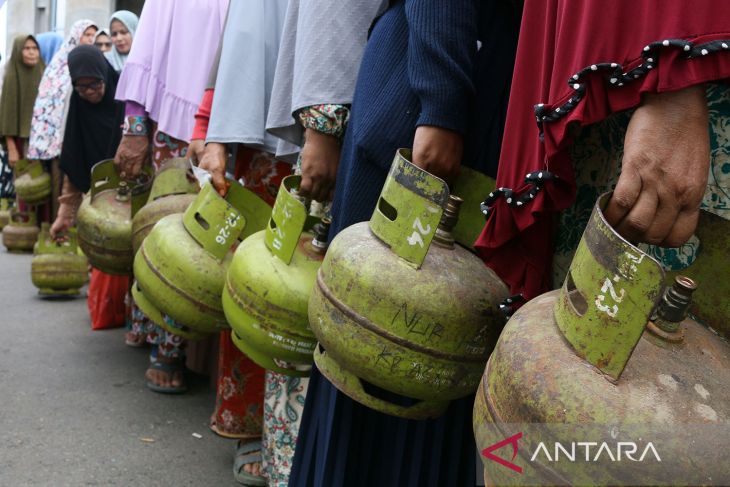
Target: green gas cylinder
610, 359
105, 217
268, 284
21, 233
173, 190
32, 182
181, 265
397, 304
57, 269
5, 205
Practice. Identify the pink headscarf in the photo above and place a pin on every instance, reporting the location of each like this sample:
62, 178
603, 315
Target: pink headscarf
167, 69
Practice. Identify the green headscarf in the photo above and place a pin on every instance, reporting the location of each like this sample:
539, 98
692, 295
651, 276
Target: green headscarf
20, 89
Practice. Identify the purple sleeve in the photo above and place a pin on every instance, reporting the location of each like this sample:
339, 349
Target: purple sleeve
134, 109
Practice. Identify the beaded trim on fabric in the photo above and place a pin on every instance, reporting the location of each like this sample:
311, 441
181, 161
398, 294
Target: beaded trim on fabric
615, 76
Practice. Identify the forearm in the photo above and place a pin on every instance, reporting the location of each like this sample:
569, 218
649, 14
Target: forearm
442, 46
202, 118
69, 201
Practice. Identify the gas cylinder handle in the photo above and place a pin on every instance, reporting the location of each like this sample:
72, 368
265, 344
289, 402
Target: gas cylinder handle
608, 296
217, 223
409, 209
65, 243
174, 177
21, 167
104, 176
22, 218
289, 219
36, 169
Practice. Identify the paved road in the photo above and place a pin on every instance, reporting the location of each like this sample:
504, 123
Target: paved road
73, 406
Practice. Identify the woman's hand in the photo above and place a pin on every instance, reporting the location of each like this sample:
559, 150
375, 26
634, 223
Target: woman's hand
196, 150
13, 153
438, 151
62, 224
320, 159
132, 155
664, 170
214, 161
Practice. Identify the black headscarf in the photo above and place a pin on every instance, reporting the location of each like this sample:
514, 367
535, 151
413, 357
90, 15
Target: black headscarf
93, 130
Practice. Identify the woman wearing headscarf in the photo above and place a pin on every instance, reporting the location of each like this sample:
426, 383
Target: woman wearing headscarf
51, 105
50, 43
416, 87
93, 128
20, 87
49, 112
103, 41
122, 26
162, 84
232, 117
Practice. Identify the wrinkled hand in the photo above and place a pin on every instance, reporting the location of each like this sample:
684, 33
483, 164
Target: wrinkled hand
132, 155
196, 150
214, 161
62, 225
320, 159
438, 151
664, 170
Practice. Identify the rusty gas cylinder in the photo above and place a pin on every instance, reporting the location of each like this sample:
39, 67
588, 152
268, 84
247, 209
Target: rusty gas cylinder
600, 358
57, 269
181, 265
105, 218
32, 182
173, 190
5, 205
397, 304
21, 233
269, 283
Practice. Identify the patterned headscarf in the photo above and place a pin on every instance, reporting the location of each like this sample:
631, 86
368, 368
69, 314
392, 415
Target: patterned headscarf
49, 113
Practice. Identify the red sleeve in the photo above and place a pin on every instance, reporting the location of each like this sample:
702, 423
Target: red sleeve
579, 62
202, 118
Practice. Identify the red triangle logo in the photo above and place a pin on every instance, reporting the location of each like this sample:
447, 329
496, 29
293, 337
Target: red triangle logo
512, 440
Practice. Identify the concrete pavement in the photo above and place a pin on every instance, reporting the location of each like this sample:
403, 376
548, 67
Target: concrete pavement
74, 410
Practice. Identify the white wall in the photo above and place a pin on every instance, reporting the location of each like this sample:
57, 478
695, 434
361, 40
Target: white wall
96, 10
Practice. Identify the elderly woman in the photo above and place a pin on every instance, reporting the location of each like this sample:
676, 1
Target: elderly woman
93, 128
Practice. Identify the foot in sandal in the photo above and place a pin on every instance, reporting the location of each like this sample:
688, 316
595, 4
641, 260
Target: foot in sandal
167, 375
247, 465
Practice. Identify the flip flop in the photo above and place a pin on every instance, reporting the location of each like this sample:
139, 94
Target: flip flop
170, 370
244, 456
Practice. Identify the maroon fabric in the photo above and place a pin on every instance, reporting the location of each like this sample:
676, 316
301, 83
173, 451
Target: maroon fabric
558, 39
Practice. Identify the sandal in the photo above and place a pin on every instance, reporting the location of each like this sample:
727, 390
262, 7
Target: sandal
135, 340
170, 369
246, 454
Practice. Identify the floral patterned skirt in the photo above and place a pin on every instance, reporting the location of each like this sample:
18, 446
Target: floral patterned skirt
597, 154
240, 393
283, 407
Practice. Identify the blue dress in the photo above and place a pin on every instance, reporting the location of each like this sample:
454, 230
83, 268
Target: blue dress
421, 66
